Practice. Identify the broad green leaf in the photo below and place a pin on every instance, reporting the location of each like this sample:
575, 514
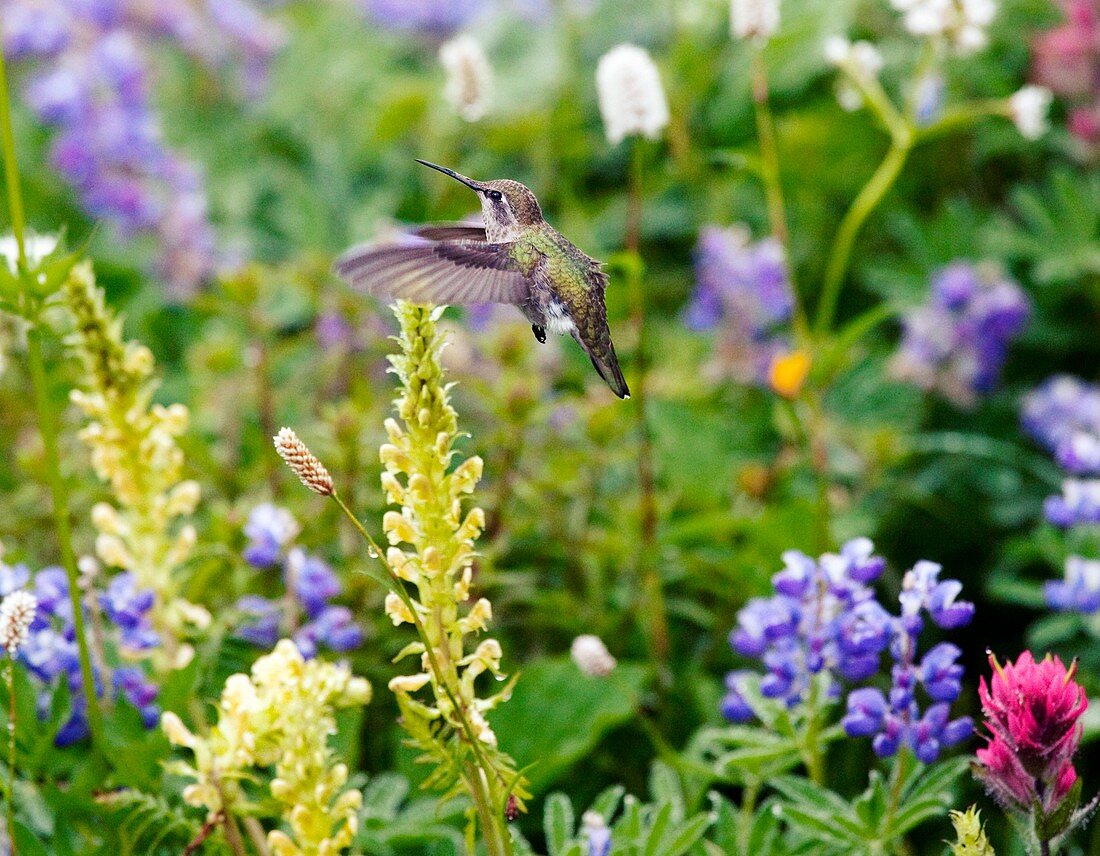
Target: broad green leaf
584, 710
607, 802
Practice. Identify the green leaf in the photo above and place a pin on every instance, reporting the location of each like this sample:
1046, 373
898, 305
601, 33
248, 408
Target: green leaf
685, 835
935, 780
584, 710
665, 787
607, 802
558, 823
657, 830
384, 794
26, 843
871, 806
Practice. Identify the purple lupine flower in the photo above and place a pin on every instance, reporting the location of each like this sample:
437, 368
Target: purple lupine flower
597, 834
269, 530
128, 607
262, 621
957, 343
895, 719
733, 706
130, 681
922, 590
1078, 504
1079, 591
13, 578
743, 289
1080, 454
335, 628
51, 654
91, 85
311, 580
822, 619
1060, 407
434, 17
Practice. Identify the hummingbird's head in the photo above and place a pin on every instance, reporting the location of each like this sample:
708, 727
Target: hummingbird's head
506, 205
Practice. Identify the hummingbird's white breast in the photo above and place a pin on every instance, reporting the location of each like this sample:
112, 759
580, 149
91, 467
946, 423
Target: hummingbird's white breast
557, 318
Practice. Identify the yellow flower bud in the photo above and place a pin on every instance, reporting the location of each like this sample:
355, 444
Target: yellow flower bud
398, 528
408, 683
398, 610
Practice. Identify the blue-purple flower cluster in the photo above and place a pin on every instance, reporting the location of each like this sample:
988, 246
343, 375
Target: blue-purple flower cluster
91, 83
51, 654
743, 290
1063, 415
957, 343
433, 17
824, 624
271, 532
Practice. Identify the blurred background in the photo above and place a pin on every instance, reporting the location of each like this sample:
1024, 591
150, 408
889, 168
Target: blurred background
216, 156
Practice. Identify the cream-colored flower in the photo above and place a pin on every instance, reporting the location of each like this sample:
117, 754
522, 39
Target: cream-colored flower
469, 76
592, 656
1028, 108
282, 714
16, 614
632, 100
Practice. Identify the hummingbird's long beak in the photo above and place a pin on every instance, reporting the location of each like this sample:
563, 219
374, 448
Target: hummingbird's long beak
457, 176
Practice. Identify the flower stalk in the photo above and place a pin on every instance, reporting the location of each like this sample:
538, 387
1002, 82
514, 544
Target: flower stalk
429, 570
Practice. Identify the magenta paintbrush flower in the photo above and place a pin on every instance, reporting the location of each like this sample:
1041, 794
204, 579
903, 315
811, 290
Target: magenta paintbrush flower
1033, 710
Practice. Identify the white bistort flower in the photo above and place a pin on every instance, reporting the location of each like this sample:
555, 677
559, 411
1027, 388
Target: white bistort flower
860, 61
1028, 108
469, 76
632, 100
16, 614
592, 656
754, 19
962, 23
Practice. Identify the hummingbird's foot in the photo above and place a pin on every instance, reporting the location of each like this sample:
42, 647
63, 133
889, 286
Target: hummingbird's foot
540, 334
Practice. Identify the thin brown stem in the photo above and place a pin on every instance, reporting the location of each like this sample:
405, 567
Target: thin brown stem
652, 606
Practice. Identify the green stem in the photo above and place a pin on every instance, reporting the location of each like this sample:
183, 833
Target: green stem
482, 789
48, 428
769, 153
868, 199
9, 679
769, 174
748, 809
11, 169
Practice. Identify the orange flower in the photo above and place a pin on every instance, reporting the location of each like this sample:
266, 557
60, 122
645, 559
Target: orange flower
788, 372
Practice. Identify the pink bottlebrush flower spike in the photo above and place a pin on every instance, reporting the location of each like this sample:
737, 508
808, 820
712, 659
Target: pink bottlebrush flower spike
1033, 710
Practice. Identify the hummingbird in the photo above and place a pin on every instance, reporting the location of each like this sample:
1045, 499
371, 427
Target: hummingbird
516, 257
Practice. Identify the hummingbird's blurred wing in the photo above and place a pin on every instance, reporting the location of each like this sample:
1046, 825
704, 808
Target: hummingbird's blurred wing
450, 232
454, 272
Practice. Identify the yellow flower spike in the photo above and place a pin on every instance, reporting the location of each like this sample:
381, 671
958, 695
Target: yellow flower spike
440, 536
970, 834
788, 373
282, 714
133, 448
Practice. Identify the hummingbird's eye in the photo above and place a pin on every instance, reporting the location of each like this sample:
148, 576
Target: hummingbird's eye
495, 195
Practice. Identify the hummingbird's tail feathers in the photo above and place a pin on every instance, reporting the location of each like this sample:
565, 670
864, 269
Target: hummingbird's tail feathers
451, 272
607, 366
